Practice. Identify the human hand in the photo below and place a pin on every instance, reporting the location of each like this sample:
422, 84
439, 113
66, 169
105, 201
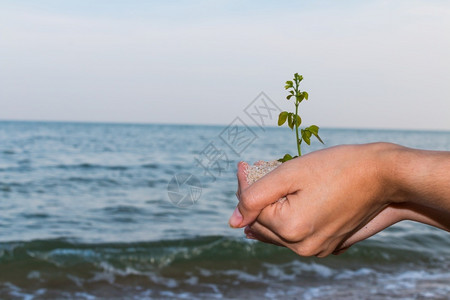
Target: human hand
335, 197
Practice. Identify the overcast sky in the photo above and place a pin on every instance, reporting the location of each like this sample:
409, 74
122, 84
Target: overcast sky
366, 64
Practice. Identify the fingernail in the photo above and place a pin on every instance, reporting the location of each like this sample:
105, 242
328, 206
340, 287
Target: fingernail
236, 218
244, 165
250, 237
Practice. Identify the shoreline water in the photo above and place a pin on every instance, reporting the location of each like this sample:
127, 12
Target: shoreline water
216, 266
85, 214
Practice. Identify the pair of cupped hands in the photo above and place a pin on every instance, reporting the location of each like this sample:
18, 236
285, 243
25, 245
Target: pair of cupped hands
334, 198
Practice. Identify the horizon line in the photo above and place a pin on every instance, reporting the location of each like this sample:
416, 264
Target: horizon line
212, 125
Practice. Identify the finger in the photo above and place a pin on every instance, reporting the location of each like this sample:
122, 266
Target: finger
263, 234
242, 177
340, 251
250, 234
277, 215
262, 193
241, 174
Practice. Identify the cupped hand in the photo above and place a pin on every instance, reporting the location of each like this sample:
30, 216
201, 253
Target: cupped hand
334, 198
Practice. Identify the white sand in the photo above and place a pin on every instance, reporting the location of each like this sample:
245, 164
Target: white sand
259, 169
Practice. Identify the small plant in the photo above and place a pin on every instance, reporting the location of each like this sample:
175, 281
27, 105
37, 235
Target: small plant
294, 120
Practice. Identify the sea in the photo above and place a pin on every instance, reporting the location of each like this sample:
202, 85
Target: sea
140, 211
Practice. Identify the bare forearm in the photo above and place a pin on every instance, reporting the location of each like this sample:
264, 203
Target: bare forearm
423, 178
427, 215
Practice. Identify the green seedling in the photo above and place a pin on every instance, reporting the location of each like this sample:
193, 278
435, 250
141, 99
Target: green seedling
294, 120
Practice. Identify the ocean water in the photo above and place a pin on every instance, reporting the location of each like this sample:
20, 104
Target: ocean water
94, 211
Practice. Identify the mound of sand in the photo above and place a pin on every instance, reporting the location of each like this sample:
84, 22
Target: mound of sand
259, 169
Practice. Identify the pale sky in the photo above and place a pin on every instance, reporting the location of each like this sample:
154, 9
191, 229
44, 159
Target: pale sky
366, 64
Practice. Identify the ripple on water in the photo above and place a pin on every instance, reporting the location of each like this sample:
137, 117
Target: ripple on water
123, 210
35, 215
151, 166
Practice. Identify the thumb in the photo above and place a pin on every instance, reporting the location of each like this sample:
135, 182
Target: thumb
265, 191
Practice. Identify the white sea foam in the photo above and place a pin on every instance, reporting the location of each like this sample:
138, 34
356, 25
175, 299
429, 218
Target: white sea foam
242, 275
348, 274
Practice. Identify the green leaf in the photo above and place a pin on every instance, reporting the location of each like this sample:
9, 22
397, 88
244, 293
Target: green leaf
313, 128
306, 135
289, 97
318, 137
298, 120
289, 84
305, 95
282, 118
285, 158
297, 77
307, 140
290, 121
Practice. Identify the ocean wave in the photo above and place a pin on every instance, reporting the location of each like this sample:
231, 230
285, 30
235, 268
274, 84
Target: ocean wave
210, 265
88, 180
23, 166
91, 166
222, 251
46, 185
150, 166
9, 151
109, 167
128, 210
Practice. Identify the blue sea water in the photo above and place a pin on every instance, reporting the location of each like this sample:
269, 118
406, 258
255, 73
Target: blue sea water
91, 211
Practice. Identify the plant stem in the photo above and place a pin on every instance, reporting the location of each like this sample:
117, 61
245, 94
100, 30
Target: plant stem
296, 129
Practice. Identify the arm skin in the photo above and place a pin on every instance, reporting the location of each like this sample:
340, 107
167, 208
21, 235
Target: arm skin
341, 195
